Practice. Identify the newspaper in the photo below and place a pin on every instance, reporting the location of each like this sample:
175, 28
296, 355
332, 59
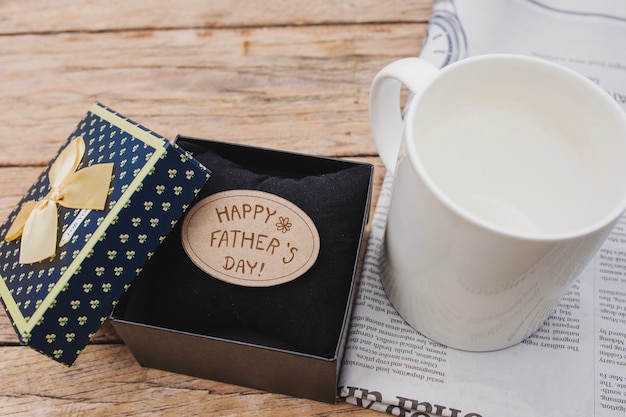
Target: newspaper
575, 365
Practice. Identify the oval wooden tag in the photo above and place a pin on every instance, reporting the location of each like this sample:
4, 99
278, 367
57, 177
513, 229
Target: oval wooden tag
250, 238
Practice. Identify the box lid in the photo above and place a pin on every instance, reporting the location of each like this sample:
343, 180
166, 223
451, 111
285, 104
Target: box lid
57, 303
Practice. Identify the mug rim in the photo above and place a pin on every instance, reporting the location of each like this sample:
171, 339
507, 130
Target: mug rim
601, 95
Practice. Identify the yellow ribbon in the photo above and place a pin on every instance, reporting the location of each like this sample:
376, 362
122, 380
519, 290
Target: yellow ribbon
37, 221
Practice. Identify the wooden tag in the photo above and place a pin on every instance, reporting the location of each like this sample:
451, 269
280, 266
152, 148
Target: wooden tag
250, 238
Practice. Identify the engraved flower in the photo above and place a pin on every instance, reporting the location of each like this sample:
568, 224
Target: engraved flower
283, 225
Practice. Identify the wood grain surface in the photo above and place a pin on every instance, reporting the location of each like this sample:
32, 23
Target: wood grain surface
286, 74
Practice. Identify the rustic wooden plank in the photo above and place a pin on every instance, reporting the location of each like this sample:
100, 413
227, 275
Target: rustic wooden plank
14, 182
37, 16
106, 380
296, 88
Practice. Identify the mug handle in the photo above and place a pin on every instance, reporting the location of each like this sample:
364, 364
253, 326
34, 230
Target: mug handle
385, 115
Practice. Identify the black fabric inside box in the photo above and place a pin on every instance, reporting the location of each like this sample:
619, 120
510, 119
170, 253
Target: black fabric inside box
304, 315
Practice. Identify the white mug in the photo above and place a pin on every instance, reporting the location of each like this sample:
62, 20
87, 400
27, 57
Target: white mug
509, 173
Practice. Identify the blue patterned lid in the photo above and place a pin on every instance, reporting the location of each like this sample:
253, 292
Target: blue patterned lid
57, 304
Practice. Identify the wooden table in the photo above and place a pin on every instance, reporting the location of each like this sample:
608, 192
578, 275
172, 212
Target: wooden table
287, 74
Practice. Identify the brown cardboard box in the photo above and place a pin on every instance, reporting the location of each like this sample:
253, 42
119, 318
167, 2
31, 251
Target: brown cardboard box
238, 354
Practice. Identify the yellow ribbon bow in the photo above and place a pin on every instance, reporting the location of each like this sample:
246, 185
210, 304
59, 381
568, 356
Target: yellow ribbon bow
37, 221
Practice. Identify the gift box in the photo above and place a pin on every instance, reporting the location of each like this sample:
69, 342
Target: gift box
254, 286
87, 226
